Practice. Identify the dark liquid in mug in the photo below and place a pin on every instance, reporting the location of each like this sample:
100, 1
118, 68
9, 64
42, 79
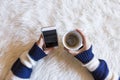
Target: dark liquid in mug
72, 40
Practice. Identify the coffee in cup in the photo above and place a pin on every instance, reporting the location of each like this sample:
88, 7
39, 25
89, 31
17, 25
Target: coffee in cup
72, 40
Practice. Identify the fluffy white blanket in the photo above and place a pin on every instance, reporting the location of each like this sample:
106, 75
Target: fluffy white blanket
21, 22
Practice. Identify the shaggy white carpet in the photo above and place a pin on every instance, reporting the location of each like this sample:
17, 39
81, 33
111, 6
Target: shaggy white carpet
21, 21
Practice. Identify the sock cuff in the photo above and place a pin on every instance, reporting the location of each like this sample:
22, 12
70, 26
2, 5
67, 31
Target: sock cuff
36, 53
85, 56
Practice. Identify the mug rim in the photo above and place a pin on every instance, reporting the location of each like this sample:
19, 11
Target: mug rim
77, 33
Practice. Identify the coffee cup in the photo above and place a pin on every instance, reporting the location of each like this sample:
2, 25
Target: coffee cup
72, 40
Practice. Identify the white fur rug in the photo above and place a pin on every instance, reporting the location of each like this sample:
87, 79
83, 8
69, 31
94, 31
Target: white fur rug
21, 21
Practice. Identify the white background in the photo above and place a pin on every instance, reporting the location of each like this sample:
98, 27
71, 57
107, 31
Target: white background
21, 21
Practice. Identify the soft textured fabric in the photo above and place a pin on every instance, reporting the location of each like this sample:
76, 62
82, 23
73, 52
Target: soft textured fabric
85, 56
101, 72
21, 70
21, 67
20, 26
98, 68
36, 53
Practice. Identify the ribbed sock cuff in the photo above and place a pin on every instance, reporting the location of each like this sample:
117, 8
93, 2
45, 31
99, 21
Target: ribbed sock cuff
36, 53
85, 56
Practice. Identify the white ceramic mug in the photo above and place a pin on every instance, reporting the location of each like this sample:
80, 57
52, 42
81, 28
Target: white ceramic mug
72, 40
